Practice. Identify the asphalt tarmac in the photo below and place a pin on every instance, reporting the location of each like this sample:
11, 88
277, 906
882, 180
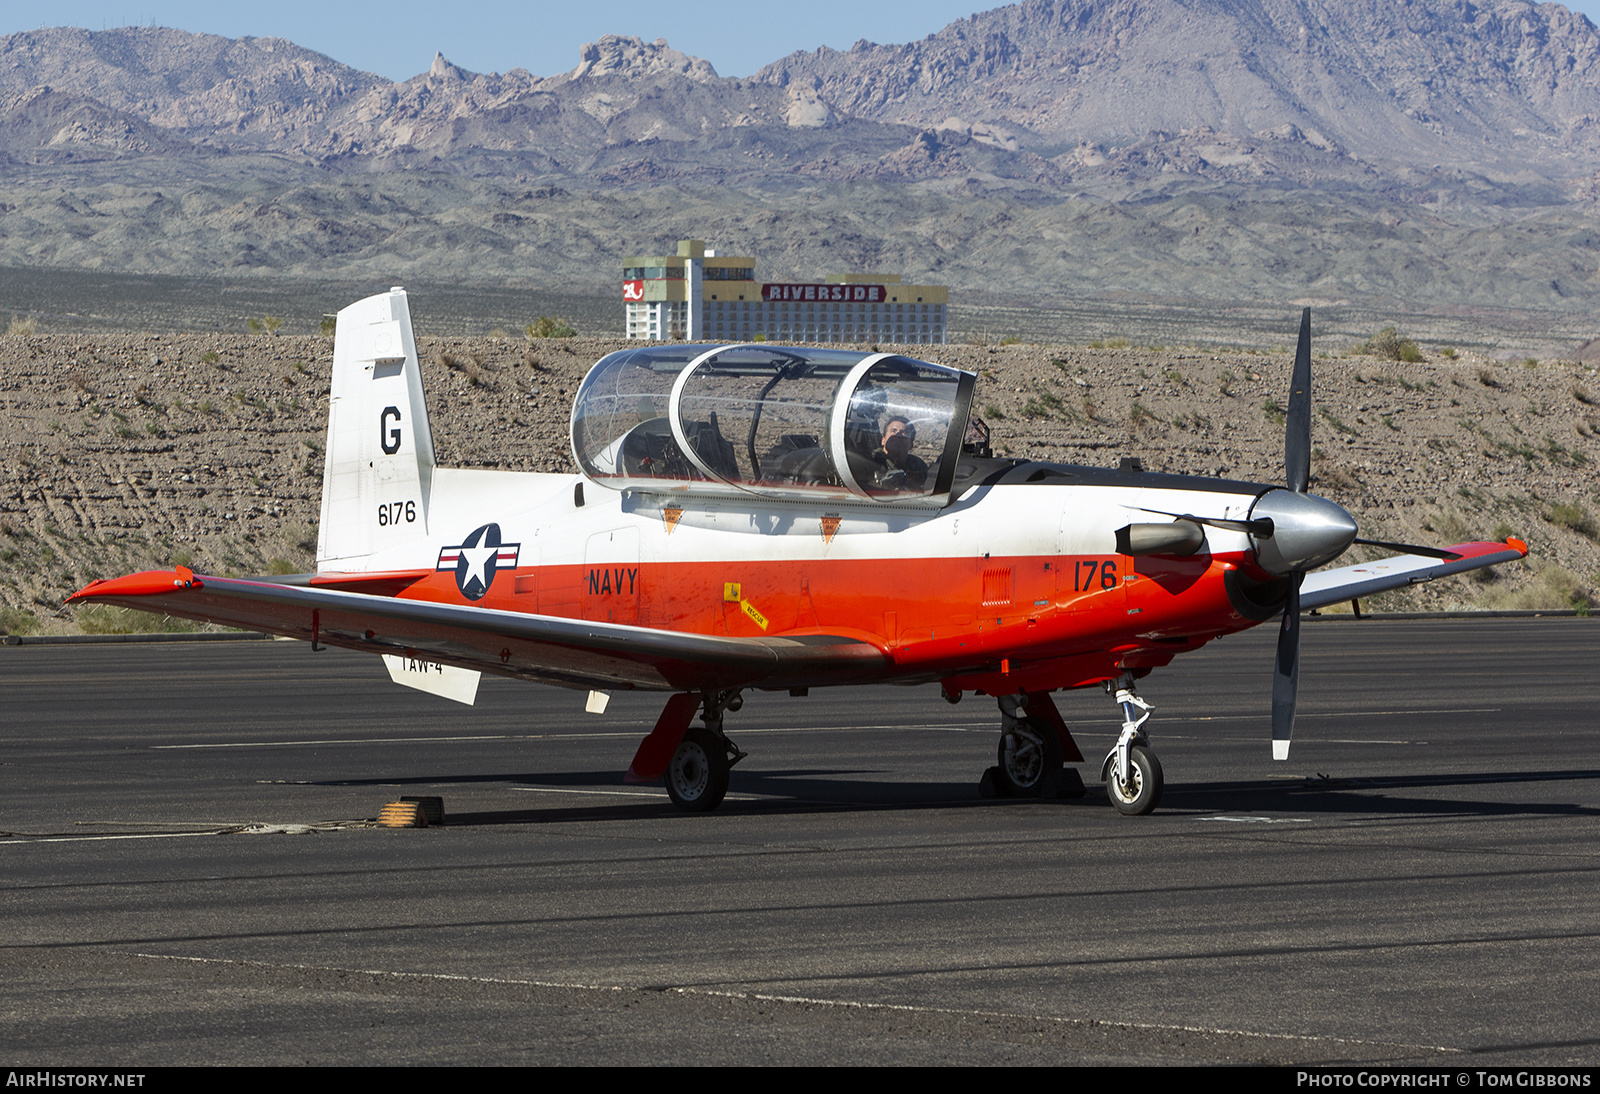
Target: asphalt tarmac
188, 876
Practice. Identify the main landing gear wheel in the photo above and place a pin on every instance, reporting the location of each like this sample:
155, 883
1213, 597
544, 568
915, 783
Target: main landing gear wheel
1030, 756
697, 776
1142, 792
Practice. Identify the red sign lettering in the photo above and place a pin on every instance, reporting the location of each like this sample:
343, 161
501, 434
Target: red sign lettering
633, 290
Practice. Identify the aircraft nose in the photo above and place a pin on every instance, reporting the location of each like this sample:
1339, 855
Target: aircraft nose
1306, 531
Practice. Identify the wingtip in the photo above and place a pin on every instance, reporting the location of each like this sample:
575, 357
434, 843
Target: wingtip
148, 583
1280, 750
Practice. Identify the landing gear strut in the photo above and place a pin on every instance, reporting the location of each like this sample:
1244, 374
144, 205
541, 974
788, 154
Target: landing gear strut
1131, 771
1031, 753
697, 775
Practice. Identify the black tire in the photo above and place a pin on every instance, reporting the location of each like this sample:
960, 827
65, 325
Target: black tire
1030, 756
1144, 792
697, 775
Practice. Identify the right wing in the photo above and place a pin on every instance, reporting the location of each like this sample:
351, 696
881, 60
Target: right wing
1325, 587
575, 653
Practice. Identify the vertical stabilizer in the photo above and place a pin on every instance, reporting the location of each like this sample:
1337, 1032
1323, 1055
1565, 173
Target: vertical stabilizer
379, 467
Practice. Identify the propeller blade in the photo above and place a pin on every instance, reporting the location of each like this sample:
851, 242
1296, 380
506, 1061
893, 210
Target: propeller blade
1297, 429
1411, 549
1286, 678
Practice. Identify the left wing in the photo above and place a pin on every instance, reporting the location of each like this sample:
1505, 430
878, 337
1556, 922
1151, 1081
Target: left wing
1326, 587
574, 653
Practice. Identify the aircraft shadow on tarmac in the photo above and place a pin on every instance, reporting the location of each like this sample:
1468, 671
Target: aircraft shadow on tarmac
807, 790
1330, 796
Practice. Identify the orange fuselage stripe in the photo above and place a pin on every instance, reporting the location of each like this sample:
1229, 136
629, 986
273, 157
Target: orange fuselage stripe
924, 611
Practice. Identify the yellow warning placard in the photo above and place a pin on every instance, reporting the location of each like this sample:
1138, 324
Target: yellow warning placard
755, 617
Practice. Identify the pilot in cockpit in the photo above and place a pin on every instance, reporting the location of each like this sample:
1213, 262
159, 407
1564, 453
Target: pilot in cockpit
880, 455
900, 469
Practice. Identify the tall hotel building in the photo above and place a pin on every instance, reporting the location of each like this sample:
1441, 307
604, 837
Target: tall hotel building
698, 295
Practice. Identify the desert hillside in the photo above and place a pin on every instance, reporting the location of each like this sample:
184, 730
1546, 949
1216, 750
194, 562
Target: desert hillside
1434, 156
128, 452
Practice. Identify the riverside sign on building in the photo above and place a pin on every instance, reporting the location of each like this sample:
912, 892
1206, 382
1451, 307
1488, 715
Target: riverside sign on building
699, 295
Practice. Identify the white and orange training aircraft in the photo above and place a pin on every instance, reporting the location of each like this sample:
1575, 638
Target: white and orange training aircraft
783, 518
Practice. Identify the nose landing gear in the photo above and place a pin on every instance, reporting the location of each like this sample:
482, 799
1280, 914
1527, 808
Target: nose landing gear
1131, 771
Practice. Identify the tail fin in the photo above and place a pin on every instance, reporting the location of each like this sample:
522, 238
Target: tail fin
379, 470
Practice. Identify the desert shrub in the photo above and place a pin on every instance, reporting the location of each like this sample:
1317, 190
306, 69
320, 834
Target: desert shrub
21, 326
1138, 414
1574, 518
550, 326
109, 619
1389, 343
17, 621
1450, 525
1552, 587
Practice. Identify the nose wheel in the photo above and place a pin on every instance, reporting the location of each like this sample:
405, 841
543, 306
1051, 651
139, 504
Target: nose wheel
1131, 771
1140, 791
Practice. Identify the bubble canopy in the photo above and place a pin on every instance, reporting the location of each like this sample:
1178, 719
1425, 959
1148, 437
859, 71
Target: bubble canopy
775, 421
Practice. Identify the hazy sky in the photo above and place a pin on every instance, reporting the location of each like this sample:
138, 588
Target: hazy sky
397, 39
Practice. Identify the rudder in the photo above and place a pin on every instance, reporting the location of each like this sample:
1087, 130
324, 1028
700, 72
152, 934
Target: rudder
379, 462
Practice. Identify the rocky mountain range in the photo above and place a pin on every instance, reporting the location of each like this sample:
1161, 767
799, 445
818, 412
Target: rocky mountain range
1062, 89
1180, 149
1497, 87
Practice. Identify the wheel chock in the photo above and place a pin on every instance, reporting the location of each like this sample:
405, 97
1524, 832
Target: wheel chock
989, 784
402, 814
1069, 784
432, 807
